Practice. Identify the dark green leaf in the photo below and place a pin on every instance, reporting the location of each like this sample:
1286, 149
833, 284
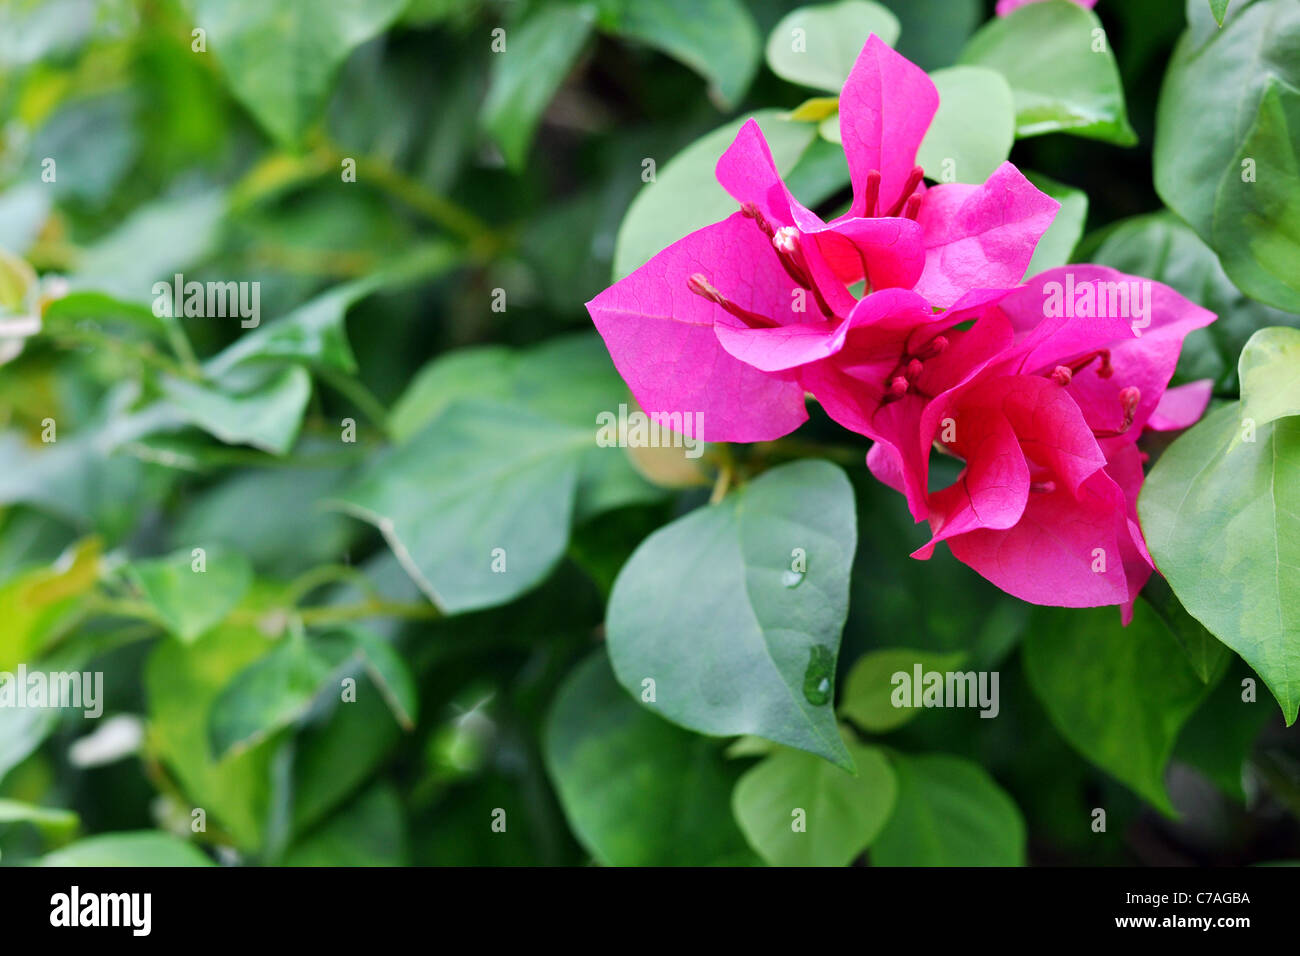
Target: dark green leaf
716, 38
949, 812
1118, 694
638, 791
540, 49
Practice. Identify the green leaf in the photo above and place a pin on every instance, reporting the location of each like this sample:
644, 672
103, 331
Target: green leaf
1204, 651
816, 46
1061, 81
636, 790
338, 751
54, 823
1220, 9
949, 812
22, 730
869, 690
1258, 203
268, 695
280, 59
37, 603
156, 241
483, 484
314, 333
369, 831
191, 602
1221, 516
1270, 375
1220, 737
716, 38
1056, 246
1118, 694
1162, 247
842, 812
540, 49
685, 196
266, 413
715, 610
1232, 95
932, 32
389, 673
499, 451
142, 848
973, 130
181, 682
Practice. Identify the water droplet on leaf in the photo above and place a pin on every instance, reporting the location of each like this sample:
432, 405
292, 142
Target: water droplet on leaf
817, 678
792, 579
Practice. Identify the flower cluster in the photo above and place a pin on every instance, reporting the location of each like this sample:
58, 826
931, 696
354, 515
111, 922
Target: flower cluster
906, 318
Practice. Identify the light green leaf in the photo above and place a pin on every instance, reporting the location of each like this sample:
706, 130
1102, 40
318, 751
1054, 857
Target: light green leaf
266, 413
22, 730
715, 610
949, 812
1118, 694
1228, 138
1057, 244
685, 195
540, 49
154, 243
1061, 70
817, 45
1221, 516
636, 790
142, 848
498, 452
973, 130
1258, 203
54, 823
841, 812
181, 682
1270, 375
279, 59
716, 38
36, 603
1220, 9
191, 602
483, 484
870, 687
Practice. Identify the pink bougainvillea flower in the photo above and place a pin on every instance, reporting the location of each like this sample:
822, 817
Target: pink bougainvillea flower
1045, 507
724, 321
1006, 6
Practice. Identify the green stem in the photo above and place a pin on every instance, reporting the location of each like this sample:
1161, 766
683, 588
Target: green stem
433, 206
356, 392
